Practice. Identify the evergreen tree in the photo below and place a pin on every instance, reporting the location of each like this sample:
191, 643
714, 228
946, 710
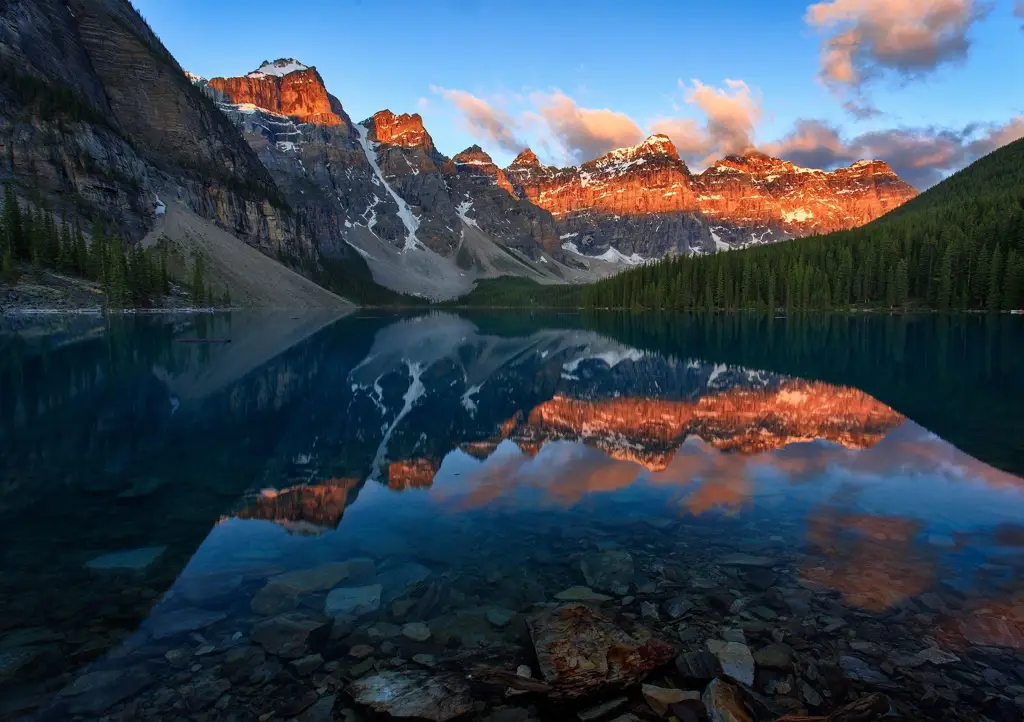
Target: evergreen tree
995, 284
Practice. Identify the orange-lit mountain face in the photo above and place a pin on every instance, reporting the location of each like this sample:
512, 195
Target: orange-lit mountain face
285, 87
444, 222
304, 507
745, 199
412, 474
747, 421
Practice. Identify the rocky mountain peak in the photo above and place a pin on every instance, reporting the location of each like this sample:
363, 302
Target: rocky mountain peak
282, 87
403, 130
655, 148
279, 68
474, 161
526, 159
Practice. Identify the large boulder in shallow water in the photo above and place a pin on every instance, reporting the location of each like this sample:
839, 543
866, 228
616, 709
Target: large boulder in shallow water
580, 650
414, 695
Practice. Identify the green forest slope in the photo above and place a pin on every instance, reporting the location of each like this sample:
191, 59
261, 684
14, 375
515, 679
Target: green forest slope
959, 245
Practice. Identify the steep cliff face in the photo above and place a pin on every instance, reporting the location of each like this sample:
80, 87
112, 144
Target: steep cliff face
757, 198
97, 118
628, 205
641, 203
284, 87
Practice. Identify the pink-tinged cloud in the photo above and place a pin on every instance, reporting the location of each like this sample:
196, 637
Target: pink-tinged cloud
483, 120
585, 133
868, 38
922, 156
731, 115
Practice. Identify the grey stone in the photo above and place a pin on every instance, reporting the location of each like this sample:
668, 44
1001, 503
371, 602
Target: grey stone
698, 665
581, 594
649, 611
735, 658
135, 560
858, 669
349, 603
608, 571
427, 660
414, 694
307, 665
746, 560
321, 711
97, 691
416, 631
500, 617
810, 695
775, 656
289, 637
677, 607
396, 581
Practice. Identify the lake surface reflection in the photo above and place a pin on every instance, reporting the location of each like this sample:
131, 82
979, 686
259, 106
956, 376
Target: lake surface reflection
512, 518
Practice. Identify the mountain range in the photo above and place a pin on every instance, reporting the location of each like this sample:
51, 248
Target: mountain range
100, 121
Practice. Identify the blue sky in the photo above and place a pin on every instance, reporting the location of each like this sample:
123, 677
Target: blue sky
940, 77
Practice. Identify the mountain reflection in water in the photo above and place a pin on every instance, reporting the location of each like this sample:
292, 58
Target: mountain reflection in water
477, 467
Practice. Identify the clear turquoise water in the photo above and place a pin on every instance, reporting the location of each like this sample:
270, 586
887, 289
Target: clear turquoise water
151, 486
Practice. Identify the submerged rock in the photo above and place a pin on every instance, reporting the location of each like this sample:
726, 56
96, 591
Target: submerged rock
746, 560
698, 666
348, 603
602, 710
414, 694
581, 594
608, 571
736, 660
289, 637
724, 703
135, 560
282, 592
416, 631
661, 698
579, 650
856, 668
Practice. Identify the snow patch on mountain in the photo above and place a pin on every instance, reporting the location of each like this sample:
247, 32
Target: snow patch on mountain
278, 68
410, 221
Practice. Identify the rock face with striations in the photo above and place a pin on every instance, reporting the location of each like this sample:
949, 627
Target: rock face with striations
757, 198
136, 131
641, 203
285, 87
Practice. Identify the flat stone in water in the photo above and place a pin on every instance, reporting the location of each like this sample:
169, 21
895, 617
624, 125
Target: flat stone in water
858, 669
289, 637
746, 560
96, 692
735, 658
162, 626
500, 617
396, 580
416, 631
135, 560
353, 602
581, 594
414, 694
321, 711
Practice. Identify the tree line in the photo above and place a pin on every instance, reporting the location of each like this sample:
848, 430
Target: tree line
958, 246
129, 276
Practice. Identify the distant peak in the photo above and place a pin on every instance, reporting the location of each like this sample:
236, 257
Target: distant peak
278, 68
473, 155
526, 159
405, 130
654, 146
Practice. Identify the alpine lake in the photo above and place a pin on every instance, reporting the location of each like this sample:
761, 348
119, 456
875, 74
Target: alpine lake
512, 517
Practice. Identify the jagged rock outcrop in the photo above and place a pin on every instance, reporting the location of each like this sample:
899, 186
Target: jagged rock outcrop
641, 203
628, 205
284, 87
121, 126
475, 163
757, 198
744, 420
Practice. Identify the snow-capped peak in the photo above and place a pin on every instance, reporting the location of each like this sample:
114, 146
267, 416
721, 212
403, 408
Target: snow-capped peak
194, 79
278, 68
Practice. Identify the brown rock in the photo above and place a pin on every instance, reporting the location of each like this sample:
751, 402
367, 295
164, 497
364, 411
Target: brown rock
724, 703
579, 649
299, 94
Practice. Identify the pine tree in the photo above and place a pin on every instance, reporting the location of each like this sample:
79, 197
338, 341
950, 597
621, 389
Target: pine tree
226, 300
81, 255
902, 283
995, 285
66, 254
13, 224
9, 266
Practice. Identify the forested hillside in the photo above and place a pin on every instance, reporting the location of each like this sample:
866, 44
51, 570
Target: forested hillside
960, 245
